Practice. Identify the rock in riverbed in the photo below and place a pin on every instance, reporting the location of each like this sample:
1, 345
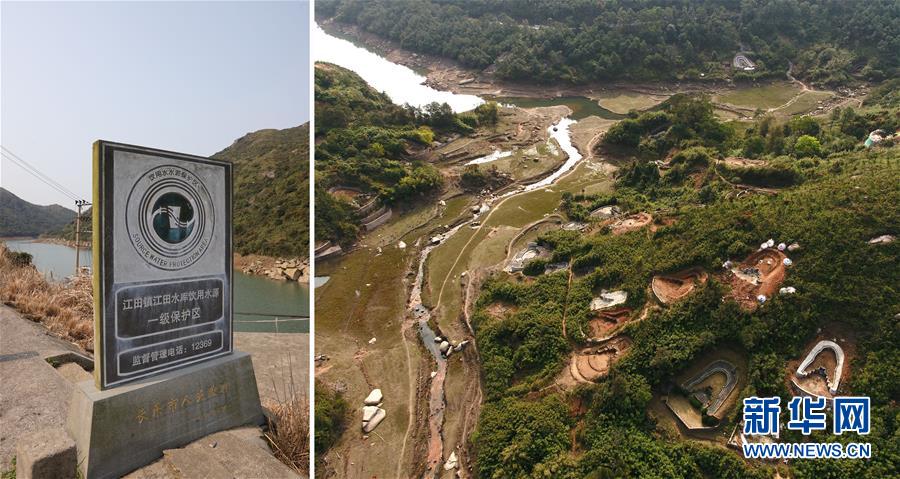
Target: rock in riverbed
452, 462
377, 416
374, 398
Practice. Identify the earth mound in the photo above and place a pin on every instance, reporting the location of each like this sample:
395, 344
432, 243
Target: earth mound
669, 288
631, 223
757, 278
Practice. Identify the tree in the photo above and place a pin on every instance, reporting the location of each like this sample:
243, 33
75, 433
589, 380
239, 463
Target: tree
805, 125
487, 113
807, 146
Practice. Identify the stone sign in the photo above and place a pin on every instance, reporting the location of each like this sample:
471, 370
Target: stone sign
162, 261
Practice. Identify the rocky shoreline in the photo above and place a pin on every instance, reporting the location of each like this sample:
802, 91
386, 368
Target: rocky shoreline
284, 269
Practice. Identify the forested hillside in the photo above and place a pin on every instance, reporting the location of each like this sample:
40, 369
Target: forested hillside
21, 218
271, 191
812, 182
830, 42
366, 142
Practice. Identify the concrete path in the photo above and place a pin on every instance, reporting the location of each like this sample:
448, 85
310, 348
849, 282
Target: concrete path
33, 395
236, 454
36, 396
277, 358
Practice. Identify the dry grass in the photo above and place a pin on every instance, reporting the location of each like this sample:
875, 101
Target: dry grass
289, 431
66, 309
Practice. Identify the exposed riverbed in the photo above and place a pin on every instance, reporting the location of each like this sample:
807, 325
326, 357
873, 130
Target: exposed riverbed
403, 85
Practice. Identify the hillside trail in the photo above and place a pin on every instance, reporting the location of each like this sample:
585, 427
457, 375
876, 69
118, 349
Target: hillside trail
804, 88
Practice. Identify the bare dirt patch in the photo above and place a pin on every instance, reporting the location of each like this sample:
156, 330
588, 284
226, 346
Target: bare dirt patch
500, 310
669, 288
631, 223
607, 321
592, 363
521, 131
739, 162
761, 273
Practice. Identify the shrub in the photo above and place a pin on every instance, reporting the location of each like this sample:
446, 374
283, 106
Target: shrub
535, 267
807, 146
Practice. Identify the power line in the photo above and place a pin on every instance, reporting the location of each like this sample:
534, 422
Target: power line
34, 171
38, 177
30, 169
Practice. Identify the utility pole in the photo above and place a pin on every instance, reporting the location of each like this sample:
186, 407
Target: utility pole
79, 204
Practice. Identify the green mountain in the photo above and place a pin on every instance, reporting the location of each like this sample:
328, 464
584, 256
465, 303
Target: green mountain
271, 191
581, 41
365, 141
21, 218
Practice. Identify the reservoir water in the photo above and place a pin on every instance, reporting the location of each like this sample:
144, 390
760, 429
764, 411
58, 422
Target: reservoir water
400, 83
260, 304
581, 107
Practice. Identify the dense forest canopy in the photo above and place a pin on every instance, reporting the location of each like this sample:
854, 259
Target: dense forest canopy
577, 41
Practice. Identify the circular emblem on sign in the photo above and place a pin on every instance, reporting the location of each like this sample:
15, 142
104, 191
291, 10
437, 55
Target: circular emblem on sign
170, 217
173, 217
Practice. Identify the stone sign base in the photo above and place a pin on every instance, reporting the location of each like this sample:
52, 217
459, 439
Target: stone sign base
119, 430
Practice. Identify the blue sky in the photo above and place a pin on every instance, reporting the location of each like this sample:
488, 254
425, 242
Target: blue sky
188, 77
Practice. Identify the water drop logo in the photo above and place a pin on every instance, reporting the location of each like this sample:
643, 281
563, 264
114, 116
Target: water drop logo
170, 217
173, 218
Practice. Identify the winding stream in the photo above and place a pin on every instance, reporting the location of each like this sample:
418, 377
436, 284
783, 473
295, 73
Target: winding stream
403, 85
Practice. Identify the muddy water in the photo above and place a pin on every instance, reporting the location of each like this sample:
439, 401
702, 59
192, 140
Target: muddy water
582, 107
436, 400
400, 83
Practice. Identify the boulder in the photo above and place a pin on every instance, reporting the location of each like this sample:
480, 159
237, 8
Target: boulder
883, 239
374, 398
459, 347
452, 462
376, 419
444, 347
369, 412
293, 274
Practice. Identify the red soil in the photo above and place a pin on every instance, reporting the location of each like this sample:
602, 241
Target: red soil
607, 320
771, 275
669, 288
594, 362
631, 223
